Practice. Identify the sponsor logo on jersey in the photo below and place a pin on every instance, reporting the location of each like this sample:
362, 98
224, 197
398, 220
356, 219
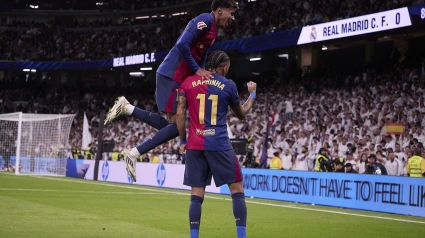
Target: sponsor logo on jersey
201, 25
210, 132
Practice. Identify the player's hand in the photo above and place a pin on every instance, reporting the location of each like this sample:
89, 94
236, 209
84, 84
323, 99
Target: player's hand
183, 149
205, 74
252, 87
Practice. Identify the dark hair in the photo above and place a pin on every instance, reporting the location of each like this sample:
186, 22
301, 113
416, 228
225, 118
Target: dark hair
418, 151
321, 150
361, 157
216, 59
224, 4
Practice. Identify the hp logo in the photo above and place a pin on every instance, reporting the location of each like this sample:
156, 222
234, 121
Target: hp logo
423, 13
160, 175
105, 171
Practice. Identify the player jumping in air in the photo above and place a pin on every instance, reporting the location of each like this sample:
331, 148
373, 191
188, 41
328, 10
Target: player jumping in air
208, 149
186, 58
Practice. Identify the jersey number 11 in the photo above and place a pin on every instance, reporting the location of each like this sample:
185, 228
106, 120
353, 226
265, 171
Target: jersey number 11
214, 99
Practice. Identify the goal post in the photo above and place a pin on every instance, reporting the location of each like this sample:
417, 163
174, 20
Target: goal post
18, 144
34, 144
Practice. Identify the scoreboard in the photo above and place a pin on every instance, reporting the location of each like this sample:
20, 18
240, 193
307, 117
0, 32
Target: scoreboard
417, 14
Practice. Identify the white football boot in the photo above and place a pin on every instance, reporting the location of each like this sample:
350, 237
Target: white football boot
130, 164
117, 110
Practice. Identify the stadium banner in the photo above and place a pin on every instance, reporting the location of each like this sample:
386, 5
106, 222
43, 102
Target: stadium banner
392, 194
417, 14
77, 168
148, 174
375, 22
134, 59
24, 163
39, 165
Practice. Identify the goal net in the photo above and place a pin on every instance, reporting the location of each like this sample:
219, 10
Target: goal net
34, 143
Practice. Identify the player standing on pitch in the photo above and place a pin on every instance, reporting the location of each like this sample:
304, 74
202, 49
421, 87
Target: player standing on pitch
186, 58
209, 152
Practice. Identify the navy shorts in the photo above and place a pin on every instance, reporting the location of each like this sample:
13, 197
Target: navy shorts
166, 93
201, 165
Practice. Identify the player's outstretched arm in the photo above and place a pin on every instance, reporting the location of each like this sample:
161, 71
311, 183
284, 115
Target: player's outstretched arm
181, 122
241, 110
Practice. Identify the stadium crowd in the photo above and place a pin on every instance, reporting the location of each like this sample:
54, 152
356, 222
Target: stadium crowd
54, 42
87, 40
111, 5
346, 115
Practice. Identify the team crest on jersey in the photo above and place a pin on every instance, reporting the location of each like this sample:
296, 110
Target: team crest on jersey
313, 34
201, 25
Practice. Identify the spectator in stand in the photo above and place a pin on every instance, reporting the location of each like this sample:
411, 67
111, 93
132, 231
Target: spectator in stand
393, 165
339, 166
289, 110
323, 162
350, 159
416, 165
362, 163
373, 167
287, 160
349, 169
276, 162
301, 160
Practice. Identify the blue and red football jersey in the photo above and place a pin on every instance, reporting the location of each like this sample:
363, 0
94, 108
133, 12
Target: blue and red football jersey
189, 52
207, 103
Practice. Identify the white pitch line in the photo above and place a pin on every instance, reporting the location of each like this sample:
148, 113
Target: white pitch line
335, 212
75, 191
247, 201
108, 184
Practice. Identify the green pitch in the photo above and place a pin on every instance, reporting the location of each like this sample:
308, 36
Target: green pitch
64, 207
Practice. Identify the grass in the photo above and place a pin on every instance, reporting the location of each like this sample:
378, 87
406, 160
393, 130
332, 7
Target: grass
64, 207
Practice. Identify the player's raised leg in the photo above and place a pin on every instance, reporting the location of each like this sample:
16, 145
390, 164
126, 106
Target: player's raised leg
166, 99
123, 107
